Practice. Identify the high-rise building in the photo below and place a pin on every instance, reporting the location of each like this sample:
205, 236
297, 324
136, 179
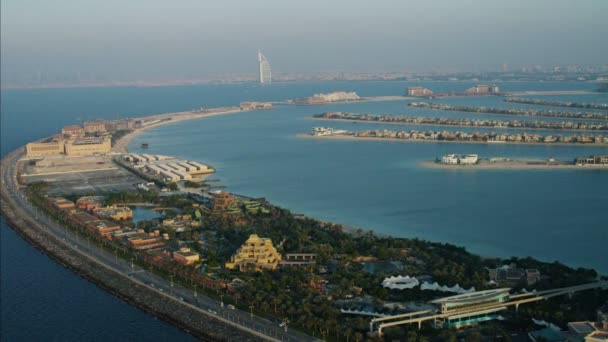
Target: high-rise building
265, 72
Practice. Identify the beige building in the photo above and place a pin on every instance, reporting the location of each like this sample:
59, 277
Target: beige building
419, 91
185, 256
94, 127
75, 147
256, 253
72, 131
483, 89
89, 146
44, 149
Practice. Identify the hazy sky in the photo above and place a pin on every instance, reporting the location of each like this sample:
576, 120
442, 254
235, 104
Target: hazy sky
175, 39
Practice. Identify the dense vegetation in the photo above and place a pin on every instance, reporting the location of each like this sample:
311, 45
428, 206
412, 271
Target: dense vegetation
295, 293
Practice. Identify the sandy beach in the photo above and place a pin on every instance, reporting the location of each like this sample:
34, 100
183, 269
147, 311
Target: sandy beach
169, 118
511, 164
352, 137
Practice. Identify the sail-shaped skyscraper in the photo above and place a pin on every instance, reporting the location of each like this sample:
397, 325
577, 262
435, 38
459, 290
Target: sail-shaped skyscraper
265, 73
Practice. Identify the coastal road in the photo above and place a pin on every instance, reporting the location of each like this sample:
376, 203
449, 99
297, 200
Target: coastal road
256, 325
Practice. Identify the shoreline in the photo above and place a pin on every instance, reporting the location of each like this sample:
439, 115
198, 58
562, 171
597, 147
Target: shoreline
353, 138
121, 144
515, 164
455, 126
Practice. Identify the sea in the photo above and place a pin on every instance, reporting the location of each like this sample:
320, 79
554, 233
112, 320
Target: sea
373, 185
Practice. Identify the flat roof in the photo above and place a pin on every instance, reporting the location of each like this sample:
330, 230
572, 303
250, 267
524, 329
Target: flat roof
582, 327
473, 296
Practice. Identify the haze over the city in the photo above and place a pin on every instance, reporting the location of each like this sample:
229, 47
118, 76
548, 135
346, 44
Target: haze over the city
162, 40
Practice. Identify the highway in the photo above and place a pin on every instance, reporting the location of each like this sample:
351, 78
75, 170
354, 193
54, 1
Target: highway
255, 325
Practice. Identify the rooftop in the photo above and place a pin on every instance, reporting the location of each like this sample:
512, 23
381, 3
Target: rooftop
473, 296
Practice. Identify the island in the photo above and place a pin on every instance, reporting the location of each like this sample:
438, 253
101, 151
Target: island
510, 111
453, 161
463, 122
541, 102
458, 137
340, 96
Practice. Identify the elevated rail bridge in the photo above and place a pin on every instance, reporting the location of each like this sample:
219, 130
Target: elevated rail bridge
472, 311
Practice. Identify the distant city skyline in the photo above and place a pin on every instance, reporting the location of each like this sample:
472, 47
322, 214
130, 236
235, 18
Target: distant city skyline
113, 41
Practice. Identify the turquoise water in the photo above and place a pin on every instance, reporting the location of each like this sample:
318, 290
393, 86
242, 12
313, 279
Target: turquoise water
374, 185
551, 215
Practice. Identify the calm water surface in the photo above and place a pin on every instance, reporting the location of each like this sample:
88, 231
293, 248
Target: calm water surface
374, 185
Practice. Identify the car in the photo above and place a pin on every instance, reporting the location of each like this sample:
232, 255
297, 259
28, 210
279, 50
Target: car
212, 311
231, 307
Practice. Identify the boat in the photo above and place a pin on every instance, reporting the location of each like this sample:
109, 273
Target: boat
145, 145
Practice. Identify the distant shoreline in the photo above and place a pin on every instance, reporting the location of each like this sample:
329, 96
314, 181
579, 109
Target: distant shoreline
354, 138
514, 164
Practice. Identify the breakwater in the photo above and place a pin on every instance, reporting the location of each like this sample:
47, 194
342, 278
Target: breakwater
510, 111
465, 122
540, 102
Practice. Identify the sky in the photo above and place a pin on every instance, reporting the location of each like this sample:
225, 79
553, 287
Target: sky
154, 39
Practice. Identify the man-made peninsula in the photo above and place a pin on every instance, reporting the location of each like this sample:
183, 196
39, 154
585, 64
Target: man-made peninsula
473, 162
460, 137
552, 103
465, 122
339, 96
510, 111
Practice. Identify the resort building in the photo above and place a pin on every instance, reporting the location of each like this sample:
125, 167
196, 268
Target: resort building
89, 202
255, 254
72, 147
44, 148
512, 275
592, 160
72, 131
449, 159
419, 91
299, 259
250, 105
483, 89
94, 127
185, 256
454, 159
469, 159
102, 227
62, 203
265, 71
89, 146
114, 212
143, 241
223, 201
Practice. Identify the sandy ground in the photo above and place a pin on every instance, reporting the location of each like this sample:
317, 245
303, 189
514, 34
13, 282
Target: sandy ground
351, 137
513, 164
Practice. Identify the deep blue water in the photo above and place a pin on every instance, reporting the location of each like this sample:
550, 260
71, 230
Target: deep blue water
374, 185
